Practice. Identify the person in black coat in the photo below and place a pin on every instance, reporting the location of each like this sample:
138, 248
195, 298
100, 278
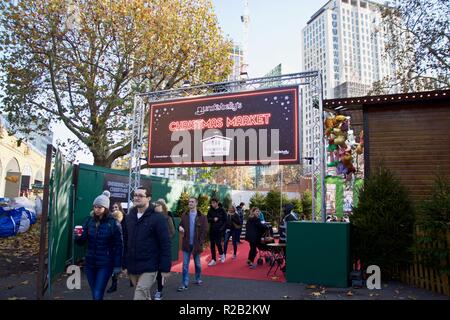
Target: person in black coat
217, 218
254, 230
233, 227
147, 244
104, 252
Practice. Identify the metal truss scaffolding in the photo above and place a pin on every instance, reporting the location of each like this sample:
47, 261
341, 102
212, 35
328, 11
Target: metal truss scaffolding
137, 127
311, 81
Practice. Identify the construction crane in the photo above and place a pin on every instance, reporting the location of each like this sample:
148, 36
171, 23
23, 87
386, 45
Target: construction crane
245, 19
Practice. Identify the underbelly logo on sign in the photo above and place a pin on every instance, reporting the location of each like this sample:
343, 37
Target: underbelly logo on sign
117, 185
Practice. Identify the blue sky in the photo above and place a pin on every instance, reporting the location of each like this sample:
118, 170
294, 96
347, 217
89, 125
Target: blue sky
274, 30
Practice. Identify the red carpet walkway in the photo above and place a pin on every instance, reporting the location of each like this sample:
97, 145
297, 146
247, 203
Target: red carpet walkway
231, 268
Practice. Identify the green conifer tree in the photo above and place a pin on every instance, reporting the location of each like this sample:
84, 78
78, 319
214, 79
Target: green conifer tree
203, 203
434, 222
383, 223
183, 203
307, 204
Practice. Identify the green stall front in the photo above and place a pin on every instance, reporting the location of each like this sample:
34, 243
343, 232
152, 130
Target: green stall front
318, 253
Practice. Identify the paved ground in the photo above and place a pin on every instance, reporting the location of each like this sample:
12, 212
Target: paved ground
22, 287
18, 265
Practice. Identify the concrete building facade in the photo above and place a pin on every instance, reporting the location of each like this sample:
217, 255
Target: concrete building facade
344, 41
21, 165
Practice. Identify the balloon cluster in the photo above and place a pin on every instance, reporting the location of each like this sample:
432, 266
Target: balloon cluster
342, 144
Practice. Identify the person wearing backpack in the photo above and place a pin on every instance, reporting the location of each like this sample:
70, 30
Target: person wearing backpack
105, 246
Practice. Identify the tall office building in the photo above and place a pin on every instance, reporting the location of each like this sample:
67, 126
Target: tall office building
345, 42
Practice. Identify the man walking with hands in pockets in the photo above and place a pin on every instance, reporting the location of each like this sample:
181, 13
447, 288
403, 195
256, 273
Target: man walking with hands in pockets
193, 228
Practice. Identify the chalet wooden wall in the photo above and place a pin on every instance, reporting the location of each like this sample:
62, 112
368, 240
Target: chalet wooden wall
409, 132
412, 139
356, 121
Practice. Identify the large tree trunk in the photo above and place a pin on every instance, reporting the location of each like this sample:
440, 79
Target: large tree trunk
106, 161
102, 162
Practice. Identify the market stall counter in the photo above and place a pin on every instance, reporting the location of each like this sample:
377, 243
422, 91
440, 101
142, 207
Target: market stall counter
318, 253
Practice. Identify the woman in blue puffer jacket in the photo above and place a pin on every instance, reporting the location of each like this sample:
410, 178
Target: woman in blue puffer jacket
105, 246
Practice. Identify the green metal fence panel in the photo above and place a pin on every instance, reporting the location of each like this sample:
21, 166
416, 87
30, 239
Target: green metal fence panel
89, 186
318, 253
60, 218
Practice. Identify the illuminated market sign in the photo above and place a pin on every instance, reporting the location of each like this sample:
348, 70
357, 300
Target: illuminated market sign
247, 128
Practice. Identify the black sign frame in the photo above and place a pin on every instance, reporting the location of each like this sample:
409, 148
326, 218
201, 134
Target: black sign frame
262, 109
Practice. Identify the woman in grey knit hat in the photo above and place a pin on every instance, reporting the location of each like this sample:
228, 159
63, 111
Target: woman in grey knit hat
105, 246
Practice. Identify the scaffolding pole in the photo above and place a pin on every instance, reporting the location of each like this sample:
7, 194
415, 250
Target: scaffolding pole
136, 147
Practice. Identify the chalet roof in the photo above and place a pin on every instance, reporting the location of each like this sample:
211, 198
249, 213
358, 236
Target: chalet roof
357, 102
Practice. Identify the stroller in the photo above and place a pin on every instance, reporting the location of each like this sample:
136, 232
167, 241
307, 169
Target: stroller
264, 253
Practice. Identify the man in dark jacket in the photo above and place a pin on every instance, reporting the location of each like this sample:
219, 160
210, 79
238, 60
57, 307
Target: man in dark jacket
217, 217
193, 228
147, 244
